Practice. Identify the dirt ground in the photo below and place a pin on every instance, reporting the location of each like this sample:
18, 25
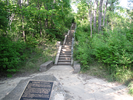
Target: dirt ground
77, 86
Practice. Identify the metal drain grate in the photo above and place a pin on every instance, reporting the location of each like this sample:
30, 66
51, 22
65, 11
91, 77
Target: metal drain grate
37, 90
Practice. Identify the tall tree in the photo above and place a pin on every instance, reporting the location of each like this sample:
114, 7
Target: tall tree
90, 9
100, 16
95, 13
22, 19
105, 12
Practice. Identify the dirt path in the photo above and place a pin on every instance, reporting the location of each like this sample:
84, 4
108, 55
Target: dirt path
77, 86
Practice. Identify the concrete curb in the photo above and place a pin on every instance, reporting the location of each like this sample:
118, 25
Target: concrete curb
46, 66
76, 67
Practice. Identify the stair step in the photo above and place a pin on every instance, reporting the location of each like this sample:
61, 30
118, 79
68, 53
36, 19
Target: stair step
65, 51
68, 42
67, 48
66, 45
64, 58
64, 63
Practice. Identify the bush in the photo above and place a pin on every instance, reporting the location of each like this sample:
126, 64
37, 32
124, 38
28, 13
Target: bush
31, 41
82, 51
9, 55
130, 86
12, 53
3, 15
113, 50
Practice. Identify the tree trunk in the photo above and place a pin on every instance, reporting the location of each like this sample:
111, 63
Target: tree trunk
105, 13
40, 29
24, 36
95, 13
27, 2
90, 19
22, 19
11, 19
46, 20
39, 20
54, 1
100, 16
103, 8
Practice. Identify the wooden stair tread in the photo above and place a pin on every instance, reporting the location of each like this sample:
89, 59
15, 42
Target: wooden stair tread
65, 53
64, 63
64, 57
64, 60
66, 49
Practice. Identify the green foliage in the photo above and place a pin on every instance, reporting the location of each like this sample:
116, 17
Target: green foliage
10, 54
41, 18
22, 56
130, 86
122, 74
113, 48
82, 51
45, 51
112, 45
28, 27
3, 15
31, 41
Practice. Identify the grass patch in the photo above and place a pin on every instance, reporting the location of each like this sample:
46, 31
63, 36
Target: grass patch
42, 53
122, 75
96, 69
130, 86
99, 70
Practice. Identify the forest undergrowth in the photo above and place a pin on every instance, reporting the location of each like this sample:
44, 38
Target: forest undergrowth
104, 44
108, 55
29, 31
25, 58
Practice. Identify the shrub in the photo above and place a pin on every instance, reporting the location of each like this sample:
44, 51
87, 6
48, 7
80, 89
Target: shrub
82, 51
130, 86
113, 50
3, 15
9, 55
31, 41
12, 53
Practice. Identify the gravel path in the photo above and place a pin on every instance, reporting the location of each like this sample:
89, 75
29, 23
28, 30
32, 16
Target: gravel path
76, 86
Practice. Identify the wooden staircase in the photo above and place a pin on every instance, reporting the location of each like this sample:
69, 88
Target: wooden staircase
64, 55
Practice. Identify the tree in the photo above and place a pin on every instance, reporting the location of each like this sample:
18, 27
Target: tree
20, 2
95, 13
90, 9
105, 12
3, 16
100, 16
